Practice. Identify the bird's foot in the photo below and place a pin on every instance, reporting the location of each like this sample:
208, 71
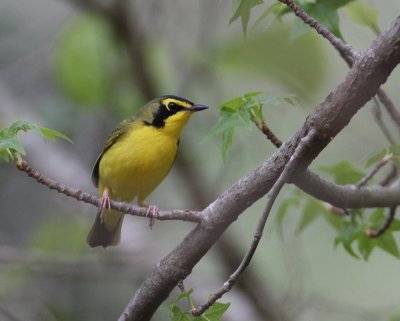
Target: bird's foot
152, 212
104, 203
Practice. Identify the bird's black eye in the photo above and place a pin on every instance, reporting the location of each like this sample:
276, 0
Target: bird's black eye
173, 107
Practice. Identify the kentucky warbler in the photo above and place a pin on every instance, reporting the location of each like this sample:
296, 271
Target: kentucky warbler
136, 158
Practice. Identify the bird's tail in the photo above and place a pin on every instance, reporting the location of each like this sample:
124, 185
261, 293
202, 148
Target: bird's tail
108, 232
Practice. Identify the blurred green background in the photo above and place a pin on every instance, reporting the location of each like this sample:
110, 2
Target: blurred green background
67, 68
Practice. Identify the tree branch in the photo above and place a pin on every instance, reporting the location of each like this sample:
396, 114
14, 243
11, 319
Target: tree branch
282, 180
183, 215
385, 226
390, 107
345, 50
362, 82
373, 171
348, 196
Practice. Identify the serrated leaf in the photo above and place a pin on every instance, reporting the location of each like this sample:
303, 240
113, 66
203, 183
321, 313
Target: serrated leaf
23, 125
179, 315
347, 235
388, 243
214, 313
242, 8
343, 173
326, 14
53, 134
10, 144
181, 296
277, 9
240, 112
365, 245
364, 14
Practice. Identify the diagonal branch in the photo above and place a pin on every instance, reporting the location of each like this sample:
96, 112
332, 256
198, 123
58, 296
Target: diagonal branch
361, 84
346, 52
282, 180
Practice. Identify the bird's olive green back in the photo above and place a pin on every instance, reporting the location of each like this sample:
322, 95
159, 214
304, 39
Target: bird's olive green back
144, 115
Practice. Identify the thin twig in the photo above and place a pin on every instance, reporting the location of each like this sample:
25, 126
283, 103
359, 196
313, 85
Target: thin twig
345, 49
268, 132
391, 175
183, 215
376, 112
390, 107
374, 170
286, 173
347, 52
386, 225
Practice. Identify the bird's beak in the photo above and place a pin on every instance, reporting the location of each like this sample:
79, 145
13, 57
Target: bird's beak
197, 107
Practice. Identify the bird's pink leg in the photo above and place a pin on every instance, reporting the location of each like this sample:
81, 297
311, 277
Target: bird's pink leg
104, 203
152, 211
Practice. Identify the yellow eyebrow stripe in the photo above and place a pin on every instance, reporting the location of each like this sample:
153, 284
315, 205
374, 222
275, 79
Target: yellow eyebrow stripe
176, 101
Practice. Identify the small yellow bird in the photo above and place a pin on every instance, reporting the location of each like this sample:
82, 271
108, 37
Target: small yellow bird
136, 158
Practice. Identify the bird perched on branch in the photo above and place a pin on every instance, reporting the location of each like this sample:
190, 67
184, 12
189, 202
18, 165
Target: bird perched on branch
135, 159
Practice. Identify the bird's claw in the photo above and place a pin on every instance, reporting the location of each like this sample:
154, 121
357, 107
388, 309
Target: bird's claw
152, 211
104, 203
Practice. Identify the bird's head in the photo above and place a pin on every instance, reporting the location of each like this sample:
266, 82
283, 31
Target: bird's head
169, 113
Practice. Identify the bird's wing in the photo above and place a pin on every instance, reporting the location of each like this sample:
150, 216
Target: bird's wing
115, 135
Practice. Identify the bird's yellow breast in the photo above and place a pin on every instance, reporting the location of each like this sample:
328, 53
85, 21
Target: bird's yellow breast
137, 162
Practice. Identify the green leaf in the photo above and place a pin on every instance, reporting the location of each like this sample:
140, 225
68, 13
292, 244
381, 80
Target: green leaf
277, 9
241, 9
298, 66
240, 112
10, 144
52, 134
364, 14
395, 226
347, 235
376, 157
365, 245
343, 173
179, 315
311, 211
326, 14
388, 243
181, 296
214, 313
87, 60
337, 3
